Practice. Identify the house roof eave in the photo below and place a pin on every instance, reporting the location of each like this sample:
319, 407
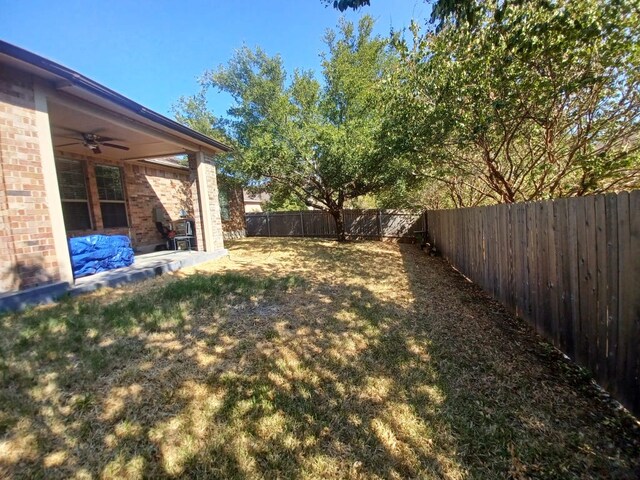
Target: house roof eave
78, 80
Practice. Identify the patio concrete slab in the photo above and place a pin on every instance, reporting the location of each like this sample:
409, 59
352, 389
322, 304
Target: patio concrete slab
144, 266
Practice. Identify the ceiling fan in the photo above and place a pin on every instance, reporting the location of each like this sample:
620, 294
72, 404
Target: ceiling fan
93, 141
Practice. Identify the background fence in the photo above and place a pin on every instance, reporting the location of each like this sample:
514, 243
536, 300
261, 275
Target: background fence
570, 267
313, 223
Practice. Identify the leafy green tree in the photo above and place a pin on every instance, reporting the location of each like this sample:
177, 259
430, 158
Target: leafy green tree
193, 112
343, 5
442, 11
314, 141
537, 100
282, 201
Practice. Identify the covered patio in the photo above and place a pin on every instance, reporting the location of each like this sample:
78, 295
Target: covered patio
88, 161
118, 177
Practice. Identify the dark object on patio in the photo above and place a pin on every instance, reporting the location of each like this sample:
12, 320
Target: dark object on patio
184, 238
99, 253
168, 235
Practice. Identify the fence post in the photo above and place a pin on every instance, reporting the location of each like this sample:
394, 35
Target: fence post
379, 224
268, 225
425, 227
302, 223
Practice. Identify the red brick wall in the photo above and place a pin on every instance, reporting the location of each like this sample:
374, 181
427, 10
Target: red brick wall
27, 252
146, 187
214, 204
235, 226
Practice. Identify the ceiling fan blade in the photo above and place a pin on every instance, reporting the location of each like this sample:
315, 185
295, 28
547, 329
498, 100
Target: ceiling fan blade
113, 145
68, 144
96, 149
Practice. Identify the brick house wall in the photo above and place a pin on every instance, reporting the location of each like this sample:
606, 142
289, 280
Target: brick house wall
214, 204
147, 187
28, 236
234, 227
27, 256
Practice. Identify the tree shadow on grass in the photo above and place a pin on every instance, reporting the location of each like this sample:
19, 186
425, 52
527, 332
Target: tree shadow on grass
221, 376
368, 361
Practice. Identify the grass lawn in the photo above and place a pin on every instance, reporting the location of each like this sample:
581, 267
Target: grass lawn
299, 359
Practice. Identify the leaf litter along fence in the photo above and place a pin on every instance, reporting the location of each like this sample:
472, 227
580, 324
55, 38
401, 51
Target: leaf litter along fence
377, 224
569, 267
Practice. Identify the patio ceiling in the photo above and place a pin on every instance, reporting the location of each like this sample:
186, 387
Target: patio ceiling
69, 121
78, 105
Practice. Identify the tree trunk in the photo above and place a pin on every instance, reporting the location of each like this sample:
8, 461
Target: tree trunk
340, 233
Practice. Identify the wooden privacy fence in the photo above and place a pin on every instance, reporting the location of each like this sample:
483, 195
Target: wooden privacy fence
315, 223
570, 267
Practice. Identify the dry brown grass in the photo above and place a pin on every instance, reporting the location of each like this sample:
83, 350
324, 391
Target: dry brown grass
299, 359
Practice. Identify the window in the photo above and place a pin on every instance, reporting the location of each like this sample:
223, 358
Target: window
73, 194
111, 196
223, 199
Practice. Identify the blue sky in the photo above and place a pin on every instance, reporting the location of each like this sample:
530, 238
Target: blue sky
154, 51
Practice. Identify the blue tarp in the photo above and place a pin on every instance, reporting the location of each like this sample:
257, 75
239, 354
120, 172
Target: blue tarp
98, 253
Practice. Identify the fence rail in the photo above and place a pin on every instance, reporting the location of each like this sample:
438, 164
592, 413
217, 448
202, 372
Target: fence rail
570, 267
313, 223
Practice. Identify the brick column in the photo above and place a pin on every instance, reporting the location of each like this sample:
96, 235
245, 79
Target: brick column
206, 206
54, 203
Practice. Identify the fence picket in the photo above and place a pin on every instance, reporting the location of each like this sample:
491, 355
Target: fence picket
542, 266
554, 278
600, 224
566, 339
632, 305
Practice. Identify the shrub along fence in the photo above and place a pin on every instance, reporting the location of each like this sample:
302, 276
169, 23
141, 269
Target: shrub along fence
570, 267
376, 224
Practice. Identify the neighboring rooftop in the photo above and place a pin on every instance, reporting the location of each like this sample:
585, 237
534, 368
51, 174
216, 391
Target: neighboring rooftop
174, 162
260, 197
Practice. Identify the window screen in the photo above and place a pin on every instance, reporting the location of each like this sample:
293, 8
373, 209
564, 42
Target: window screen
76, 215
113, 215
109, 183
73, 194
71, 180
111, 195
